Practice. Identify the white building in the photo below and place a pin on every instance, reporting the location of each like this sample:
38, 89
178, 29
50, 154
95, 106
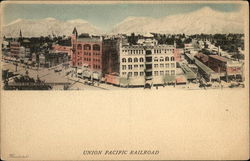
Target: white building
147, 62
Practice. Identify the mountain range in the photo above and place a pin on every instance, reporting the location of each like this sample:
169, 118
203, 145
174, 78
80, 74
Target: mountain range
204, 20
48, 26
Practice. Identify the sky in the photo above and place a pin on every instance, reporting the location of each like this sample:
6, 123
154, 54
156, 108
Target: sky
104, 16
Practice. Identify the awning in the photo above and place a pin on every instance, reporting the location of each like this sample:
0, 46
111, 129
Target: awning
169, 79
181, 79
95, 75
86, 73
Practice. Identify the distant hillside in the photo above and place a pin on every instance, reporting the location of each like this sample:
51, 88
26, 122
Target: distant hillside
47, 26
204, 20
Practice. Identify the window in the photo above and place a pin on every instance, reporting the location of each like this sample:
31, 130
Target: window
167, 59
79, 47
87, 47
135, 59
141, 59
135, 74
167, 65
172, 65
123, 67
172, 58
156, 73
96, 47
129, 59
141, 73
161, 72
161, 59
135, 66
130, 67
124, 73
155, 59
123, 60
162, 65
141, 65
172, 72
130, 74
156, 65
167, 72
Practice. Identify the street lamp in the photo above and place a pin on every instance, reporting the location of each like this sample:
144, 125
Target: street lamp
16, 65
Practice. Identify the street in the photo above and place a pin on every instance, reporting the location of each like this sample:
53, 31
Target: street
50, 76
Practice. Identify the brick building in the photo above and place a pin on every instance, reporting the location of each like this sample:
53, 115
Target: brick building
225, 67
60, 48
15, 49
86, 53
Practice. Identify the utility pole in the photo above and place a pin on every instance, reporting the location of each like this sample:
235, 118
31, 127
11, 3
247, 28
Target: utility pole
16, 66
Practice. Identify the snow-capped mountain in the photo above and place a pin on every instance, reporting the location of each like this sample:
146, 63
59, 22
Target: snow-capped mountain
204, 20
47, 26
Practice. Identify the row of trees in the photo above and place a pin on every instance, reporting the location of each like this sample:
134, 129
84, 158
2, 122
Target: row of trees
179, 39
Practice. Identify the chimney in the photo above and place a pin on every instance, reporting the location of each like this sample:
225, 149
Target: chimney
219, 53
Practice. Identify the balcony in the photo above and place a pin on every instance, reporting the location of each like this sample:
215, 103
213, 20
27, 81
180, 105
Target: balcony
148, 77
148, 63
148, 52
149, 70
149, 59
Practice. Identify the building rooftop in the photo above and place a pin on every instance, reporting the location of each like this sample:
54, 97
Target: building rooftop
26, 41
188, 72
203, 67
202, 57
220, 58
89, 39
148, 35
189, 56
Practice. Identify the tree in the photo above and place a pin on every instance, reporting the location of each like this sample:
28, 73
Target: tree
188, 40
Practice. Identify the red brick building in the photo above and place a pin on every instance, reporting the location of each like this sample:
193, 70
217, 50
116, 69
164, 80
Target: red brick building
223, 65
15, 49
87, 52
177, 55
65, 49
202, 57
